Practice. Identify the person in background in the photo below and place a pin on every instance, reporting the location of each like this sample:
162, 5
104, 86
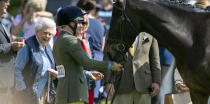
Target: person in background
86, 47
8, 51
71, 58
7, 20
166, 60
180, 92
96, 40
202, 3
141, 76
32, 64
24, 23
106, 12
52, 5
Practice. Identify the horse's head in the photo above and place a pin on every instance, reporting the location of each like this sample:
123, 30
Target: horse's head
121, 35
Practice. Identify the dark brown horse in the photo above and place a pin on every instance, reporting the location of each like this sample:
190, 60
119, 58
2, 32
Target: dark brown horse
182, 29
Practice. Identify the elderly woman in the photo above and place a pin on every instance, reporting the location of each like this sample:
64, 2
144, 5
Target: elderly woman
33, 62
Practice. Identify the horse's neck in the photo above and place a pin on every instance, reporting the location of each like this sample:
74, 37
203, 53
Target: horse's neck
164, 24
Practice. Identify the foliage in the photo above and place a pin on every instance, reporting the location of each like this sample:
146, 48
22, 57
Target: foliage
14, 7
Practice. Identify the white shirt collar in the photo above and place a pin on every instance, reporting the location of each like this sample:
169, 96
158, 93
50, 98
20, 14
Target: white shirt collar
40, 45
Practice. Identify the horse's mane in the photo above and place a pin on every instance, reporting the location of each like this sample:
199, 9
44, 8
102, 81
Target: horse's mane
183, 6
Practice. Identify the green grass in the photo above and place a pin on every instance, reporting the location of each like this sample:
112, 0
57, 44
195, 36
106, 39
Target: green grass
104, 102
14, 7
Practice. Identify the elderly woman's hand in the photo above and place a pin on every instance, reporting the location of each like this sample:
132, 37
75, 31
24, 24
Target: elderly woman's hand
53, 72
96, 76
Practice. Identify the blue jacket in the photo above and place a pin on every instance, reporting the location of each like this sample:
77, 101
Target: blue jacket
166, 58
29, 64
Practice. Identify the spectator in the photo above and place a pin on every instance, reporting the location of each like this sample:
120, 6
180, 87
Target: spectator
180, 95
32, 64
24, 23
141, 76
97, 37
106, 12
86, 47
191, 2
202, 3
166, 59
7, 20
7, 53
69, 55
52, 5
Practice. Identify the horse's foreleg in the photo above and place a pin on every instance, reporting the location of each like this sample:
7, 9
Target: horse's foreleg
198, 98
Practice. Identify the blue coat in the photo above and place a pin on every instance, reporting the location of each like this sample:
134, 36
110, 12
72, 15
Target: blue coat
29, 64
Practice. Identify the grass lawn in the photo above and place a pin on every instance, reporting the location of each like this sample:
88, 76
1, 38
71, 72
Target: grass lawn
104, 102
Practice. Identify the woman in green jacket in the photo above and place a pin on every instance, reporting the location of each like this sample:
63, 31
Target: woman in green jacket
71, 58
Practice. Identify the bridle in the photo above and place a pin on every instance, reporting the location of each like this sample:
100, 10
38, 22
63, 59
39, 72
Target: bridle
120, 47
124, 20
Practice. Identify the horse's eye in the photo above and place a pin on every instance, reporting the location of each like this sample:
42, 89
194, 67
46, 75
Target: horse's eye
121, 47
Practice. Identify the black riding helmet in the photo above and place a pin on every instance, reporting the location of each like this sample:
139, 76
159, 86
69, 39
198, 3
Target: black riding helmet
69, 14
